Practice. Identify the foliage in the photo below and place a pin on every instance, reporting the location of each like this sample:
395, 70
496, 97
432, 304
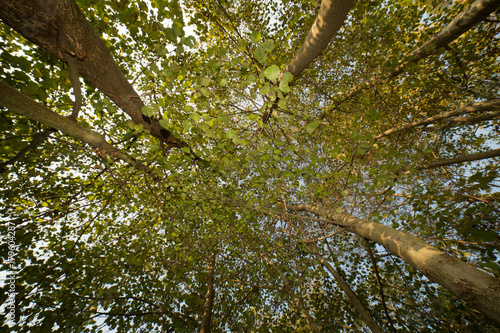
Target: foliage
107, 245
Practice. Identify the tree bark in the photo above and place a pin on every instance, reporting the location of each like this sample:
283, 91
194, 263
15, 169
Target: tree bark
461, 159
476, 107
353, 298
209, 298
461, 121
330, 18
59, 27
474, 14
331, 15
25, 106
479, 289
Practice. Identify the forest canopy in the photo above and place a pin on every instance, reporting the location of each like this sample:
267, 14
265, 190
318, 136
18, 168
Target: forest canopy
250, 166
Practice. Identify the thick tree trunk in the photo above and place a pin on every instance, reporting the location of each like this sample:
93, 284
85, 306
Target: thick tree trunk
25, 106
476, 107
209, 298
58, 27
474, 14
331, 16
353, 298
479, 289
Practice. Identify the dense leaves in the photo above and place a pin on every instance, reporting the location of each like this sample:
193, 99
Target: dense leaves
108, 245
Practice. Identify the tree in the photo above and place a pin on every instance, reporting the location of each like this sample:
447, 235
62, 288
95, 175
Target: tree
251, 165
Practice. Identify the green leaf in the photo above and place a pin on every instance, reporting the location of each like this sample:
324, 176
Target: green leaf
189, 109
147, 111
260, 54
482, 235
265, 89
205, 81
365, 100
230, 134
312, 126
195, 116
164, 123
268, 45
255, 37
241, 45
187, 124
272, 72
282, 104
287, 77
204, 127
251, 78
179, 50
284, 87
205, 92
223, 82
174, 67
177, 28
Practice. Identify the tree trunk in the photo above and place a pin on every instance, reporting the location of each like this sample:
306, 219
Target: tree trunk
479, 289
59, 27
353, 298
209, 298
331, 15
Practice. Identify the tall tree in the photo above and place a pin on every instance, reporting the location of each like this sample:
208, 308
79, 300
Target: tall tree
250, 165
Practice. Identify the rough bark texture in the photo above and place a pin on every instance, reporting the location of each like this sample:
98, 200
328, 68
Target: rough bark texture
25, 106
479, 289
353, 298
209, 298
59, 26
476, 107
474, 14
331, 15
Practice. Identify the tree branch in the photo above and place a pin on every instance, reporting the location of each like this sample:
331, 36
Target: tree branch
25, 106
476, 107
75, 82
479, 289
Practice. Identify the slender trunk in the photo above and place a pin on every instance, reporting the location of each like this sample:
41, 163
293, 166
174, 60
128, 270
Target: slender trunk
296, 299
209, 298
474, 14
59, 27
353, 298
479, 289
331, 15
330, 18
461, 121
461, 159
476, 107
